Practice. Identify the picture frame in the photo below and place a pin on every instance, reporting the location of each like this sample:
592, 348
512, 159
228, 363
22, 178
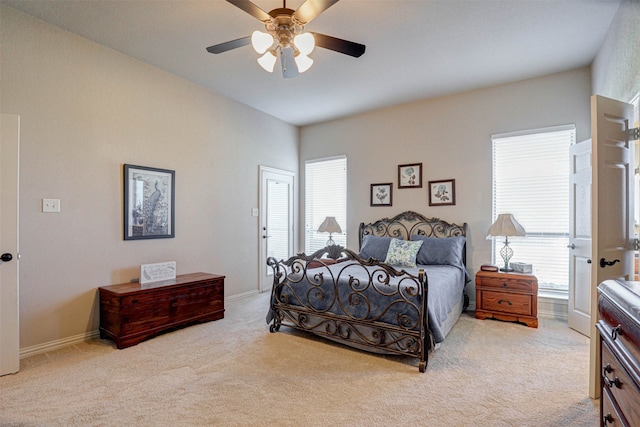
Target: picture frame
410, 175
442, 193
382, 194
149, 203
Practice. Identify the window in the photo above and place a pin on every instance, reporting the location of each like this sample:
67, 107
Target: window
531, 181
325, 194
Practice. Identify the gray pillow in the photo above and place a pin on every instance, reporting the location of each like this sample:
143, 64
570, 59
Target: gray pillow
440, 250
375, 247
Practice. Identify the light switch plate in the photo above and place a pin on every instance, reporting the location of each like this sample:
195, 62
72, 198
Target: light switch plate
51, 205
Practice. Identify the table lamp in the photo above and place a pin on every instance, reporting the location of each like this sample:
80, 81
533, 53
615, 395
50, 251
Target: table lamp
330, 225
506, 225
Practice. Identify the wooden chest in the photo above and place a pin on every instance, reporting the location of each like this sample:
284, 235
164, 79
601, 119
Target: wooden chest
131, 312
619, 329
507, 296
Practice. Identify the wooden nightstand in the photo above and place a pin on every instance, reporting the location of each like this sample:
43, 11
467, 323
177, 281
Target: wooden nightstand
507, 296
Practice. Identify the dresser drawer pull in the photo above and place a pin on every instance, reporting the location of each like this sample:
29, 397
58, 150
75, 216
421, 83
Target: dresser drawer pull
607, 419
616, 331
504, 284
606, 370
609, 383
508, 302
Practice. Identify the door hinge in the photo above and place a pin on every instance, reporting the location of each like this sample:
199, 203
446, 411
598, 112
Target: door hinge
634, 134
636, 244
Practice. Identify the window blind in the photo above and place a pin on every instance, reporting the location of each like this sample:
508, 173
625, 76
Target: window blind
531, 181
325, 195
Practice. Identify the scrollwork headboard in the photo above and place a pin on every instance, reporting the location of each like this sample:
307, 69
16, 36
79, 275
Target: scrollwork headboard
409, 223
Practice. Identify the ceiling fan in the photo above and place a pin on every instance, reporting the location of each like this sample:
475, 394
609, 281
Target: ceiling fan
285, 37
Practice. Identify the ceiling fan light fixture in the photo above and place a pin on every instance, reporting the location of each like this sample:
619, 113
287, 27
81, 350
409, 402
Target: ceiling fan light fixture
261, 41
305, 43
268, 61
303, 62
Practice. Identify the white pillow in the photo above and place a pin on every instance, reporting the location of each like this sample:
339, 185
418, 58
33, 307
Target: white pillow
402, 253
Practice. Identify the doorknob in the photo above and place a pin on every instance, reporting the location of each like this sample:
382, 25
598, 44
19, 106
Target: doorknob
6, 257
604, 263
571, 246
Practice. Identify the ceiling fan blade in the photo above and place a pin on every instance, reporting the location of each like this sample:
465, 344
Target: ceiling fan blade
223, 47
338, 45
310, 9
251, 9
288, 63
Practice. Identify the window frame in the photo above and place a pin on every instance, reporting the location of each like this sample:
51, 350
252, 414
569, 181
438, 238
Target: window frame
336, 182
553, 276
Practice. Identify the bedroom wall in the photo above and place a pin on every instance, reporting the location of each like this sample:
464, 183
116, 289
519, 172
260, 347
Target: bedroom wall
86, 110
451, 137
616, 68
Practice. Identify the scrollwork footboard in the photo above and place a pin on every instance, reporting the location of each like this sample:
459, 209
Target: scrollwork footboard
362, 303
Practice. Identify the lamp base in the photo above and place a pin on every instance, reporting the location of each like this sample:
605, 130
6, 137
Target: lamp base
506, 270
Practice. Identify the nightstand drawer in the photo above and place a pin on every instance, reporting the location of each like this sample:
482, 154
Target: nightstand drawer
507, 283
507, 303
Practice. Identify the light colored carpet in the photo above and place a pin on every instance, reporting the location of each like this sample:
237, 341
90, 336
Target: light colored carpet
233, 372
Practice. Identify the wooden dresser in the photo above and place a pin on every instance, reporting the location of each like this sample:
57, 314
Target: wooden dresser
131, 312
619, 329
507, 296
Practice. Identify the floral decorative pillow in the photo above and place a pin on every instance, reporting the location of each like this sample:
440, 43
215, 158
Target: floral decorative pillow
402, 253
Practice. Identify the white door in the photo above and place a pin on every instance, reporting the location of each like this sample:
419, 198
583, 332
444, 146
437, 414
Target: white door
9, 326
580, 238
612, 207
276, 220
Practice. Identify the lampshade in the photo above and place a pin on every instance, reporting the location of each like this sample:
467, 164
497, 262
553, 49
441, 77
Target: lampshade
505, 225
330, 225
267, 61
303, 62
305, 43
261, 41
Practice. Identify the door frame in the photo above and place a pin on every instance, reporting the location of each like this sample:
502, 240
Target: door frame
9, 238
267, 172
612, 156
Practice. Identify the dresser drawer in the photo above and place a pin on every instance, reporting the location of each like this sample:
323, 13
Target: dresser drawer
507, 283
610, 415
507, 302
619, 384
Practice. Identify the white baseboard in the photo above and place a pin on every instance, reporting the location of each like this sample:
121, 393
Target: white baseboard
57, 344
76, 339
553, 308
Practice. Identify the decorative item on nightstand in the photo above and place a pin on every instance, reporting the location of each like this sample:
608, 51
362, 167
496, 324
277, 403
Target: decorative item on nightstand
506, 225
330, 225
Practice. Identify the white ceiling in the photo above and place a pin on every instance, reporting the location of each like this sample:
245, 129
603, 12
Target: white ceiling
415, 49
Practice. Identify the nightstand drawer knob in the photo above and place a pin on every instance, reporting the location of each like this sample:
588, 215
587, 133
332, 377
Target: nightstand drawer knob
504, 284
501, 301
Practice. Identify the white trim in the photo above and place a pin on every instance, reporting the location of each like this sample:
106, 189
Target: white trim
57, 344
530, 131
91, 335
325, 159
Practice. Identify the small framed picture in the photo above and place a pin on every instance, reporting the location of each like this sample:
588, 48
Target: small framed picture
149, 203
381, 194
442, 193
410, 176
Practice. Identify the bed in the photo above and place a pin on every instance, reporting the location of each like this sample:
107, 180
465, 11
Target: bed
404, 306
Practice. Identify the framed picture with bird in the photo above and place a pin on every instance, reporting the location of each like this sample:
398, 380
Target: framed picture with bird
149, 203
